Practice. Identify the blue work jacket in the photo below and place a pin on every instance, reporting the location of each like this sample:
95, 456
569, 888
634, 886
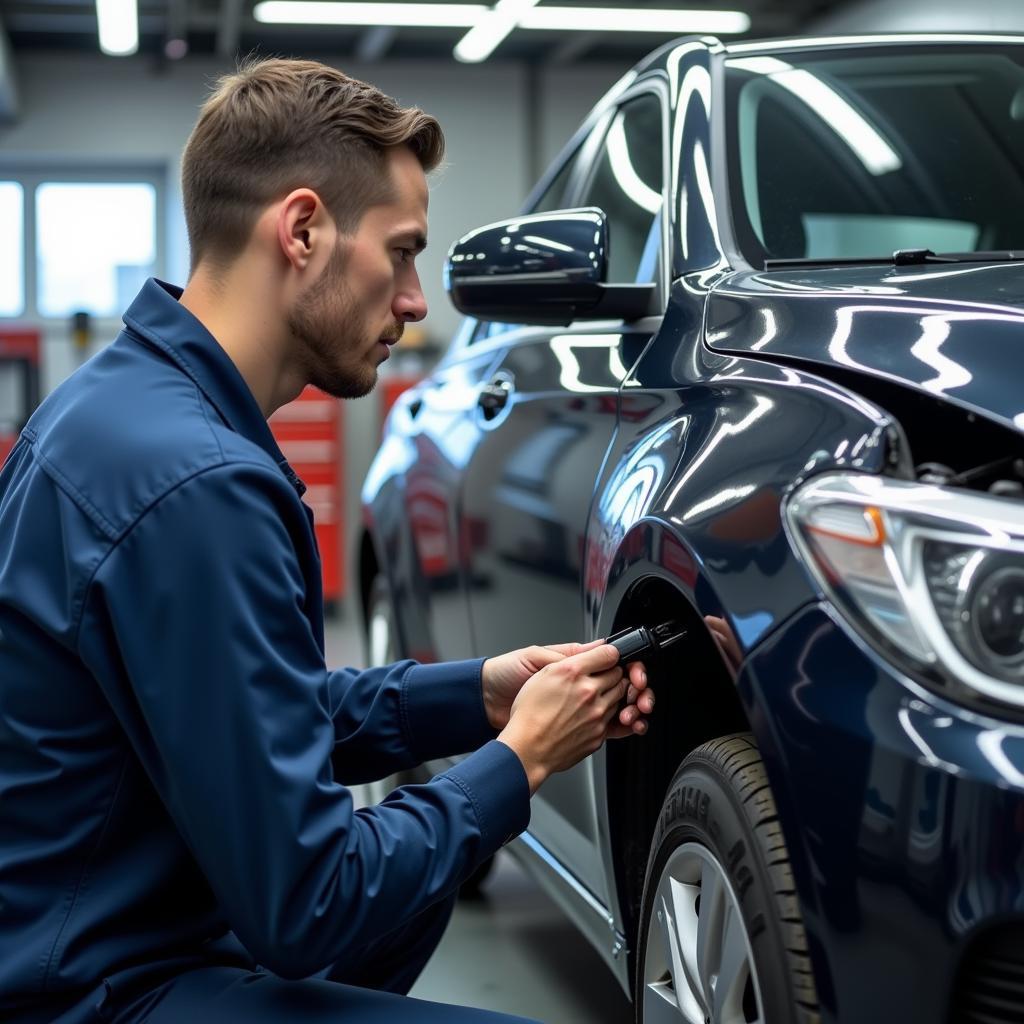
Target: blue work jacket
173, 750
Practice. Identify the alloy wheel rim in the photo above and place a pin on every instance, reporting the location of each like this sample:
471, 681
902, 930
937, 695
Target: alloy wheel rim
698, 964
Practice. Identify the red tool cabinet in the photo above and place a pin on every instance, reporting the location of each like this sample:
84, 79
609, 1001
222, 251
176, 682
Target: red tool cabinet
19, 383
309, 432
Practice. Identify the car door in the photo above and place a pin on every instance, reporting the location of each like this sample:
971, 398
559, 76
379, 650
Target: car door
548, 413
443, 430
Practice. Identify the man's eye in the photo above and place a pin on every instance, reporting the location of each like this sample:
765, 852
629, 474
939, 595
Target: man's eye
405, 255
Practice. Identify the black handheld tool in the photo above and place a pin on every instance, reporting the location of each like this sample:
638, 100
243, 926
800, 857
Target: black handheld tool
639, 642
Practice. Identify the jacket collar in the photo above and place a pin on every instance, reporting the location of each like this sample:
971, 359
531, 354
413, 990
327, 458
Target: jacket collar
158, 318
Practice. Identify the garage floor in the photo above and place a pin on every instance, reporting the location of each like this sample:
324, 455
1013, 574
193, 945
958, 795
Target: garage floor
512, 949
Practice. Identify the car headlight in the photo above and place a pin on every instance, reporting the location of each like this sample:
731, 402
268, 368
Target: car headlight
929, 574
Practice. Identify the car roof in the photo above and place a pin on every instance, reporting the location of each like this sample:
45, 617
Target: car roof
658, 59
868, 40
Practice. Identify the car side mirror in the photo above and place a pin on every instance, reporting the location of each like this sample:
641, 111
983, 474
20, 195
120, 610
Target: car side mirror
546, 268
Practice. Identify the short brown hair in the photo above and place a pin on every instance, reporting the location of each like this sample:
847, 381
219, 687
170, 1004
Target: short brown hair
280, 124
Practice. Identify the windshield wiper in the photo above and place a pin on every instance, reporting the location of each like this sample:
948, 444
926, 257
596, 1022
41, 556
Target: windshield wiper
901, 258
912, 257
909, 257
983, 256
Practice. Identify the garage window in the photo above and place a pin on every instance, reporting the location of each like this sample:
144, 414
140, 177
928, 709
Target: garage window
95, 245
81, 242
12, 249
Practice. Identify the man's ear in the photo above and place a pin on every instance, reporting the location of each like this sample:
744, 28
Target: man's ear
303, 227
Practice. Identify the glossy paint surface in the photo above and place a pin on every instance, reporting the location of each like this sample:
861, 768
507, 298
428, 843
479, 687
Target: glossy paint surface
623, 453
531, 480
706, 450
572, 244
953, 330
905, 818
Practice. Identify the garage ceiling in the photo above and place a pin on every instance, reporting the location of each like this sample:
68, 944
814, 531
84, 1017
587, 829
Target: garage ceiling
227, 27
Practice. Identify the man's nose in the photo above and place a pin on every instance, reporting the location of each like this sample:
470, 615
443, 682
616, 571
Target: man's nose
410, 304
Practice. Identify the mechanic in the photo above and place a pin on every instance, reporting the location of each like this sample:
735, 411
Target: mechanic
177, 842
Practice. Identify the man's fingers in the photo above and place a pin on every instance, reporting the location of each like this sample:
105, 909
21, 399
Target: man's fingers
571, 649
595, 658
618, 731
611, 682
637, 674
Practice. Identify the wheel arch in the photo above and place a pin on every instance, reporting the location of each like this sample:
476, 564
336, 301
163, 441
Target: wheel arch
689, 711
698, 699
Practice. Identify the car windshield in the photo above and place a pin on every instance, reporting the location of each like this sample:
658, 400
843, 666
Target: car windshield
848, 155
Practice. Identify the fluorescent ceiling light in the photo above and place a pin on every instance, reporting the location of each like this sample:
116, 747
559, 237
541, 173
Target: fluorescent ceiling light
445, 15
849, 124
315, 12
626, 19
480, 41
119, 26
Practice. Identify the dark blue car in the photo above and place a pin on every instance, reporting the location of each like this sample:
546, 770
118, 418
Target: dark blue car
750, 364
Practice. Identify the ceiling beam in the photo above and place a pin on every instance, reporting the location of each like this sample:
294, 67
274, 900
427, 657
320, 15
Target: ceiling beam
10, 103
229, 30
375, 42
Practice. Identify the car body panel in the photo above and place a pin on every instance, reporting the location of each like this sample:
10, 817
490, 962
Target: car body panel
710, 446
666, 451
410, 498
531, 480
898, 322
914, 837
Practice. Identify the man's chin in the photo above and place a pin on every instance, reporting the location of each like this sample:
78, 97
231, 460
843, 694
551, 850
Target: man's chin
348, 387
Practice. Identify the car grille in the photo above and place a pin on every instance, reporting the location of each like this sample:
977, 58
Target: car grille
990, 986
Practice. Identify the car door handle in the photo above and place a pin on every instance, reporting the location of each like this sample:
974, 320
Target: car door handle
494, 395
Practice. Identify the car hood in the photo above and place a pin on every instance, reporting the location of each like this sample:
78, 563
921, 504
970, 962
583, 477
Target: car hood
955, 330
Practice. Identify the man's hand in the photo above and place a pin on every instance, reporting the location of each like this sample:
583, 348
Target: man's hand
504, 676
563, 712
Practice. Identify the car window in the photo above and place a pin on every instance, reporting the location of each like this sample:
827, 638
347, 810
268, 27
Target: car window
627, 185
554, 195
836, 157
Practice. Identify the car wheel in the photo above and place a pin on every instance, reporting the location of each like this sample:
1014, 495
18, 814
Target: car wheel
721, 940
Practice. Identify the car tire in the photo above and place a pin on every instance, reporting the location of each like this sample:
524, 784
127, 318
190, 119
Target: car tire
743, 956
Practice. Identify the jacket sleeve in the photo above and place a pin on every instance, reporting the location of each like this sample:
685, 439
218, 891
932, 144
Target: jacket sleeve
224, 694
397, 716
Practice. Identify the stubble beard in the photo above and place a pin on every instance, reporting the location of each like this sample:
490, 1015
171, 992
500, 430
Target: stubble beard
333, 334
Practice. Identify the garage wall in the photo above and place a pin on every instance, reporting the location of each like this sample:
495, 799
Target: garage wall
501, 129
87, 110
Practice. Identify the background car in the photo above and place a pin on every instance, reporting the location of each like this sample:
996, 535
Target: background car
714, 375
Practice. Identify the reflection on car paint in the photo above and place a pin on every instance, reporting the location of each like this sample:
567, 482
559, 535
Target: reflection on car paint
625, 456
